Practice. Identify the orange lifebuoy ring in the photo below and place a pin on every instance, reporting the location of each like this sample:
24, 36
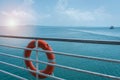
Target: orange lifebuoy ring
43, 45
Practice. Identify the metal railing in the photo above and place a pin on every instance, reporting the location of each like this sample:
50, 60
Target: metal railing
58, 53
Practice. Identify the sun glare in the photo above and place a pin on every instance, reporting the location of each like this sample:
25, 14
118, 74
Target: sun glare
12, 23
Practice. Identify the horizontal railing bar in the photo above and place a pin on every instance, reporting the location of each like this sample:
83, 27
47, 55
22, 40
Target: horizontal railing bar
16, 76
67, 54
53, 77
67, 40
66, 67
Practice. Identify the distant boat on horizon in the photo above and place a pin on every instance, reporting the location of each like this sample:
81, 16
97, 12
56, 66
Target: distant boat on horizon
111, 27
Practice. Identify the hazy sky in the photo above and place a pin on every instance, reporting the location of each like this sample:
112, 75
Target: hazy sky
61, 12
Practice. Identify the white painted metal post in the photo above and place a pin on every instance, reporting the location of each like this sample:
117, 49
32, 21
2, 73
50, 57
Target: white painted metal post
37, 64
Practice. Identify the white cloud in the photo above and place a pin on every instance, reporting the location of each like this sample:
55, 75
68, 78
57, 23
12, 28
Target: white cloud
78, 17
25, 13
32, 15
61, 5
18, 14
61, 15
28, 2
97, 14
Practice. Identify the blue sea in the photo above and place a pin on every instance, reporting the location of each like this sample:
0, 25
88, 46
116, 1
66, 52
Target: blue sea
96, 50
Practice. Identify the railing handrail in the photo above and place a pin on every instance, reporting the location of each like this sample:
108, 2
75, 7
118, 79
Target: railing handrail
67, 54
53, 77
11, 74
111, 42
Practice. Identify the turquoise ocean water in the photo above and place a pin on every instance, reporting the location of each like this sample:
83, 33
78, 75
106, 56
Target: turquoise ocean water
97, 50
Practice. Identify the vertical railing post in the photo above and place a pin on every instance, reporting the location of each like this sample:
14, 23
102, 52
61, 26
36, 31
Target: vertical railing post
37, 64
